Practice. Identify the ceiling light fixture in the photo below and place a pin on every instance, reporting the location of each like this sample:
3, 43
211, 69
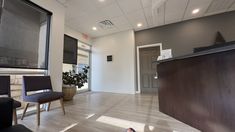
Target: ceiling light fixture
94, 28
195, 11
139, 25
101, 0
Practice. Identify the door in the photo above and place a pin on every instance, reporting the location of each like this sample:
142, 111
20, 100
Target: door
148, 69
83, 55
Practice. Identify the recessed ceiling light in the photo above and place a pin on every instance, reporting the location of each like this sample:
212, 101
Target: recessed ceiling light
195, 11
101, 0
139, 25
94, 28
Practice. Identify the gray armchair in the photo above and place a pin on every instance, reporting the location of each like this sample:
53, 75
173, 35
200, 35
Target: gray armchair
44, 93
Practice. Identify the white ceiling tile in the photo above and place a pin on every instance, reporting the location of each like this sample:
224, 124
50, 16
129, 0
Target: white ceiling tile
82, 26
174, 11
154, 17
121, 20
159, 15
80, 29
148, 11
137, 17
99, 4
82, 15
111, 30
150, 22
72, 14
149, 16
129, 5
124, 27
100, 33
62, 1
111, 10
84, 5
232, 7
79, 9
95, 34
146, 3
121, 23
219, 6
202, 5
140, 28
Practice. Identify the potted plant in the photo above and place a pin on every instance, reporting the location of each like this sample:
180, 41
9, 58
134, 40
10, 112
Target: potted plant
72, 81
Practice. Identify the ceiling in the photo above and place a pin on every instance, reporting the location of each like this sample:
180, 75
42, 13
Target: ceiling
83, 15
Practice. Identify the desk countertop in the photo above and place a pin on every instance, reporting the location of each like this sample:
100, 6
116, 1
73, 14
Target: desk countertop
202, 53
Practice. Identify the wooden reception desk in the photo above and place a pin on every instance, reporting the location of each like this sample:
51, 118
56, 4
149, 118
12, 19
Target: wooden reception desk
199, 89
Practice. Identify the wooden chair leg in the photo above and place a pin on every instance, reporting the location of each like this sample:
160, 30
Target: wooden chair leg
62, 105
48, 106
38, 114
14, 116
25, 109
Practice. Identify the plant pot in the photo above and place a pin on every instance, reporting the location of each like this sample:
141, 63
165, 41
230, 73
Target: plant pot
69, 92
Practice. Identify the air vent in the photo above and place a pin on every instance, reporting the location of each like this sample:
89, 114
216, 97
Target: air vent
106, 24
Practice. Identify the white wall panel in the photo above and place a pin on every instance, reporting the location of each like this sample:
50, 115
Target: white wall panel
117, 76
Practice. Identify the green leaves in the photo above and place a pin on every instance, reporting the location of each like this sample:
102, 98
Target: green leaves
78, 80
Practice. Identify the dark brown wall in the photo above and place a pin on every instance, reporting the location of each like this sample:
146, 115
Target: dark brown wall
184, 36
200, 91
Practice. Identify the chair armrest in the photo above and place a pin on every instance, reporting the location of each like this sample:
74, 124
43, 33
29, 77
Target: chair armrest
6, 109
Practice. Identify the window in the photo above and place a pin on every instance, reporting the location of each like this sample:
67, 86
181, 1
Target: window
24, 35
76, 57
70, 50
83, 55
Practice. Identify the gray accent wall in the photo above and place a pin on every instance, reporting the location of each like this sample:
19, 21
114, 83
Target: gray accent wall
182, 37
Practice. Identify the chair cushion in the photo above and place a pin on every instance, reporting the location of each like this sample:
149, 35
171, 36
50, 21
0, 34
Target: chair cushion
16, 104
43, 97
16, 128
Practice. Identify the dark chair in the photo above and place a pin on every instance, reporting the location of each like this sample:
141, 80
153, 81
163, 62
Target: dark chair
5, 90
6, 109
44, 93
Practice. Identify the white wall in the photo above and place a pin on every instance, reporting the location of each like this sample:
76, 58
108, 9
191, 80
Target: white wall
117, 76
56, 40
73, 33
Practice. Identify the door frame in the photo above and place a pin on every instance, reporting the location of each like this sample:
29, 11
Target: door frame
138, 61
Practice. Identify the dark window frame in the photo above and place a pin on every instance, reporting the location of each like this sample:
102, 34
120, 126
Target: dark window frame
48, 33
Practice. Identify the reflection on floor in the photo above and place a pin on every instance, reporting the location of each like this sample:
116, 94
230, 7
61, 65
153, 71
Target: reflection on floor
106, 112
